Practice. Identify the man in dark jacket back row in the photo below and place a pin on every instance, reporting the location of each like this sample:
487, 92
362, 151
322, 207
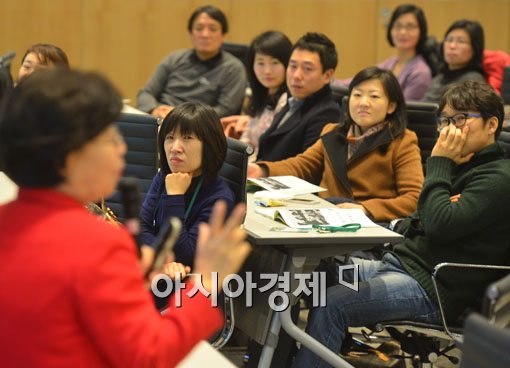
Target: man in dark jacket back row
310, 104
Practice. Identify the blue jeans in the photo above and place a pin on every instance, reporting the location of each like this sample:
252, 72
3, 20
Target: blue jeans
386, 292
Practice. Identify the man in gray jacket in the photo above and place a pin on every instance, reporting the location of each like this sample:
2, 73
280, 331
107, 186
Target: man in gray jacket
204, 73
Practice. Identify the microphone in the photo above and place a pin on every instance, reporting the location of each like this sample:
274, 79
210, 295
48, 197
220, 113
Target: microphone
7, 58
164, 243
131, 204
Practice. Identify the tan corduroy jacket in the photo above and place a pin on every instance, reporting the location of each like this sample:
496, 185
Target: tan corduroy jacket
385, 175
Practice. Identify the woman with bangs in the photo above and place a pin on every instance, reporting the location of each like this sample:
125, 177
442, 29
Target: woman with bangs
267, 60
407, 33
412, 63
192, 148
371, 161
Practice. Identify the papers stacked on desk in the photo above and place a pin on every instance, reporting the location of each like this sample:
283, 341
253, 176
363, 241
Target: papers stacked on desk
305, 218
285, 185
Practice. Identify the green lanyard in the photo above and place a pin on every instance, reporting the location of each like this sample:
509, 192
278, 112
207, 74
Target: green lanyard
195, 193
351, 228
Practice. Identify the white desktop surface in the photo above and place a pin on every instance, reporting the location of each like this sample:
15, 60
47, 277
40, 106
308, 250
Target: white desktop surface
132, 110
258, 229
8, 190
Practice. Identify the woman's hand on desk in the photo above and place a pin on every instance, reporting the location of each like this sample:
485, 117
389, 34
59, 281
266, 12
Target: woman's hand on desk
255, 171
352, 205
221, 247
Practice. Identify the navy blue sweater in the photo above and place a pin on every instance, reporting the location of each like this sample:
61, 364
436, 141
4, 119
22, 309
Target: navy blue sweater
158, 207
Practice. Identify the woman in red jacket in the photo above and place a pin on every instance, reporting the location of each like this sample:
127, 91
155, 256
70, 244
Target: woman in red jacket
71, 288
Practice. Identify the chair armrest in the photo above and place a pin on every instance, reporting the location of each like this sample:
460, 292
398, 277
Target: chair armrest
443, 265
394, 223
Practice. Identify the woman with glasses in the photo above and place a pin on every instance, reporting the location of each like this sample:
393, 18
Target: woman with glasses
462, 56
407, 33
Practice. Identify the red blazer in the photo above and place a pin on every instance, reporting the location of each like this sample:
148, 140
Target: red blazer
494, 63
72, 293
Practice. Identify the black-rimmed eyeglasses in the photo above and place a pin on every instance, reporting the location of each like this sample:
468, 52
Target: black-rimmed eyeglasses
459, 120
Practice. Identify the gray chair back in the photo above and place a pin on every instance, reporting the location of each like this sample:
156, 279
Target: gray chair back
485, 345
235, 168
234, 171
140, 133
504, 141
496, 305
486, 340
239, 50
421, 119
505, 85
6, 83
340, 95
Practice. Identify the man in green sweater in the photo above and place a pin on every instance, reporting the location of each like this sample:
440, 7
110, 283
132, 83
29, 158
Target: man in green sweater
462, 217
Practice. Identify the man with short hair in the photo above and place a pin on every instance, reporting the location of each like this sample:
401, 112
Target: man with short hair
462, 217
310, 105
204, 73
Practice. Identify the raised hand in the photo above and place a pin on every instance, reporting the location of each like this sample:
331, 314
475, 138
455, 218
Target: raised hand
170, 267
174, 268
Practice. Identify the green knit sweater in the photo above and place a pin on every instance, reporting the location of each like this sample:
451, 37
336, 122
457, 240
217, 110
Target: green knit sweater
476, 229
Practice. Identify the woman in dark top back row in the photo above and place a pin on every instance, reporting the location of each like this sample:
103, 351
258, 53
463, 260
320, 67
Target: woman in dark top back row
462, 56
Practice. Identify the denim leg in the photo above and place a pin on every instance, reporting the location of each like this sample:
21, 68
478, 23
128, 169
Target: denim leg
331, 268
366, 267
386, 292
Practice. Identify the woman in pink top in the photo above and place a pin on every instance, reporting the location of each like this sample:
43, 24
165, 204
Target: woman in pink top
407, 33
